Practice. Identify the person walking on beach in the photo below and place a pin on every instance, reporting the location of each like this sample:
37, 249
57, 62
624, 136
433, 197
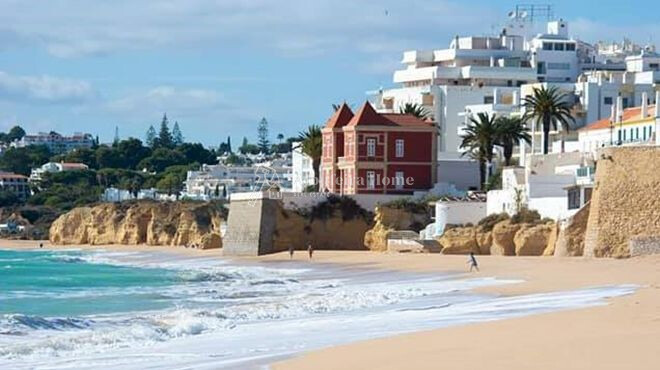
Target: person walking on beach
473, 262
291, 252
310, 250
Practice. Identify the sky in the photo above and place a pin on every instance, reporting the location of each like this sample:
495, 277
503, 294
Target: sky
218, 67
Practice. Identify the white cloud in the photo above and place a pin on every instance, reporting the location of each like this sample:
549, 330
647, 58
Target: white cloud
45, 89
169, 99
69, 28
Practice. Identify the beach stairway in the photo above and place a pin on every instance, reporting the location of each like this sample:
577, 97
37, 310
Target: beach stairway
408, 241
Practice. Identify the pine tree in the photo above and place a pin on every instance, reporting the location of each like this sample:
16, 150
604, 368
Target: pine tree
165, 136
150, 139
177, 136
262, 136
229, 144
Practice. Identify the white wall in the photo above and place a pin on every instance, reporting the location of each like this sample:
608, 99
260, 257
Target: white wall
463, 212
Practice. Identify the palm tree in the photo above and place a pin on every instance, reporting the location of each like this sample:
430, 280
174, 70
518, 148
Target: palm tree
479, 141
415, 109
280, 137
312, 145
548, 106
510, 130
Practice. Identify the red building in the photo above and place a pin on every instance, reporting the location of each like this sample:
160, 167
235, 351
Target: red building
377, 153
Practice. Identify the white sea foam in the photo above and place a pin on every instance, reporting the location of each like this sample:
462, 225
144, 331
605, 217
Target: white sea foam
226, 314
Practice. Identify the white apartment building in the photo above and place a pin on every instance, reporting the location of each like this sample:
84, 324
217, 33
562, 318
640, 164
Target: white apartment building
57, 143
15, 183
51, 167
214, 181
302, 170
630, 126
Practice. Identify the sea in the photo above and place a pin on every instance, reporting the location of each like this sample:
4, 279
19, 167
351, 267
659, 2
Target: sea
84, 309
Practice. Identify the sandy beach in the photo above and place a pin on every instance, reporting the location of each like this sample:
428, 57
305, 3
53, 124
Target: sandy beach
621, 334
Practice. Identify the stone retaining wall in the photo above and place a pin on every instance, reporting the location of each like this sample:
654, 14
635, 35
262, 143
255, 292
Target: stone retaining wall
644, 245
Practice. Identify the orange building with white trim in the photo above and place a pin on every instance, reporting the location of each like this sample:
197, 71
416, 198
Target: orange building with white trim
377, 153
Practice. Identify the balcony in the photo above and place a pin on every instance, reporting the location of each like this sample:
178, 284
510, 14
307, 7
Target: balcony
585, 175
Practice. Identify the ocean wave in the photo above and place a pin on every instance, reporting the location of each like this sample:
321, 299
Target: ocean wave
13, 322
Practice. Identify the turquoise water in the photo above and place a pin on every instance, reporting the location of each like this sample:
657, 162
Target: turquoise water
136, 310
63, 284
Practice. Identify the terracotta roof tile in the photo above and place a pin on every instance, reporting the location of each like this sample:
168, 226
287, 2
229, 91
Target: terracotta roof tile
629, 114
340, 118
367, 116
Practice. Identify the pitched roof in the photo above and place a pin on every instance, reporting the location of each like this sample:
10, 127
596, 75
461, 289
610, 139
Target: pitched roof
340, 118
11, 175
367, 116
629, 115
73, 166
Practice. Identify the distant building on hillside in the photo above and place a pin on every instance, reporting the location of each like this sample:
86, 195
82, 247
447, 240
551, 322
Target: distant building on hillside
57, 143
52, 167
15, 183
214, 181
377, 153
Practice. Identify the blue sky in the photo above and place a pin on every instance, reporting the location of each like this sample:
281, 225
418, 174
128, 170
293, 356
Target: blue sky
217, 67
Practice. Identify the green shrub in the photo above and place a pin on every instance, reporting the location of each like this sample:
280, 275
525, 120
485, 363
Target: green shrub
526, 216
487, 223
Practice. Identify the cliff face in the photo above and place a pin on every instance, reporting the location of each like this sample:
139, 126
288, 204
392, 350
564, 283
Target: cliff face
626, 200
570, 242
150, 223
389, 219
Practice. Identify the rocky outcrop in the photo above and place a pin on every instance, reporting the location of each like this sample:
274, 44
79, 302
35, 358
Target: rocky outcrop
503, 234
532, 240
151, 223
570, 241
388, 219
625, 202
459, 240
552, 240
484, 241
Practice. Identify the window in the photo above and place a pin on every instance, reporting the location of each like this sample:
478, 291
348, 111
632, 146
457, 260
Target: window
398, 145
398, 180
547, 46
509, 82
371, 180
625, 103
644, 133
607, 100
574, 198
619, 133
570, 47
540, 68
488, 100
559, 46
637, 133
654, 66
371, 147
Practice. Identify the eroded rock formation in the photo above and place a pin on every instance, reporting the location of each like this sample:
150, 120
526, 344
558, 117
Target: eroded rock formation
151, 223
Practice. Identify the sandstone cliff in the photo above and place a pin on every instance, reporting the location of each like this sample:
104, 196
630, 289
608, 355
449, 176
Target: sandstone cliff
388, 219
505, 238
570, 242
151, 223
626, 200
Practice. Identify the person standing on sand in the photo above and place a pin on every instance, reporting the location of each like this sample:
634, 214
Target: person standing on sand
473, 262
291, 252
310, 250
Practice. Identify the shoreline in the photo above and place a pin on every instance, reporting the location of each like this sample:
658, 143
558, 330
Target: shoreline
621, 334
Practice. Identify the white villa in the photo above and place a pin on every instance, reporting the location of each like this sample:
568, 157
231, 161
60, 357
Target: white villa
52, 167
